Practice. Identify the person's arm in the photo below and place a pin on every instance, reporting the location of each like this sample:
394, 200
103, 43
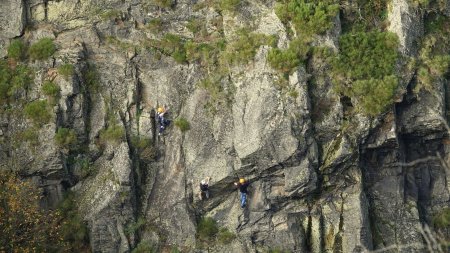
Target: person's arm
207, 180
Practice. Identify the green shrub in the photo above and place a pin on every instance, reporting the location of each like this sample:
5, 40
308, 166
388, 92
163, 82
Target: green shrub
144, 247
113, 133
66, 70
51, 89
20, 80
85, 166
91, 79
229, 5
207, 229
308, 16
135, 226
243, 49
375, 95
225, 236
173, 45
207, 54
442, 219
286, 60
364, 69
16, 50
155, 25
182, 124
195, 25
29, 135
66, 138
38, 111
74, 230
110, 14
164, 3
140, 142
13, 81
42, 49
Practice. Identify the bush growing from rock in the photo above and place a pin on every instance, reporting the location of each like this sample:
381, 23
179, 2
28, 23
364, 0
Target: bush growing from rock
364, 69
66, 138
229, 5
38, 111
24, 226
16, 50
207, 229
42, 49
51, 89
73, 229
308, 16
144, 247
225, 236
182, 124
114, 133
164, 3
243, 49
66, 70
442, 219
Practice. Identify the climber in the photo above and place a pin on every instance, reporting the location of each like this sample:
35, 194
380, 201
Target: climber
204, 188
163, 122
242, 185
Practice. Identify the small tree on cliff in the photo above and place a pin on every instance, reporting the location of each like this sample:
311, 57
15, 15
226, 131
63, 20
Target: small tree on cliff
24, 226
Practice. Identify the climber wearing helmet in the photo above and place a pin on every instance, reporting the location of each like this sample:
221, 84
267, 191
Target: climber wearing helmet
243, 185
204, 188
163, 122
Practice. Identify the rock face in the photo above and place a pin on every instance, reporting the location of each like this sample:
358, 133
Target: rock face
12, 22
322, 179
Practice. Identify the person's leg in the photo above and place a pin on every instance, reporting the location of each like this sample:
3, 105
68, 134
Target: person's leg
243, 199
207, 194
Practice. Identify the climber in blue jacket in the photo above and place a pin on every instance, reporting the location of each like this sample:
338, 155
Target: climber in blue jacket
243, 185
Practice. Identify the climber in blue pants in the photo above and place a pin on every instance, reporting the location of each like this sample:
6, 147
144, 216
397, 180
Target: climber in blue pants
163, 122
243, 185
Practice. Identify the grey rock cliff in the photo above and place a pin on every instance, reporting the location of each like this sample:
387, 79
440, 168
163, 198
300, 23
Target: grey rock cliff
321, 181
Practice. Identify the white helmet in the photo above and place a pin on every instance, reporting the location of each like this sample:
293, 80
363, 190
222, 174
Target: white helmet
203, 181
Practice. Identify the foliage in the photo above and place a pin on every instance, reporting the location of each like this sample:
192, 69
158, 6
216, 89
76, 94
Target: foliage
364, 69
229, 5
38, 111
364, 16
110, 14
219, 94
66, 138
374, 95
442, 219
29, 135
286, 60
207, 229
42, 49
16, 50
135, 226
308, 16
182, 124
243, 48
66, 70
13, 81
144, 247
164, 3
434, 58
225, 236
91, 79
114, 133
51, 89
207, 54
172, 45
24, 226
155, 25
73, 229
